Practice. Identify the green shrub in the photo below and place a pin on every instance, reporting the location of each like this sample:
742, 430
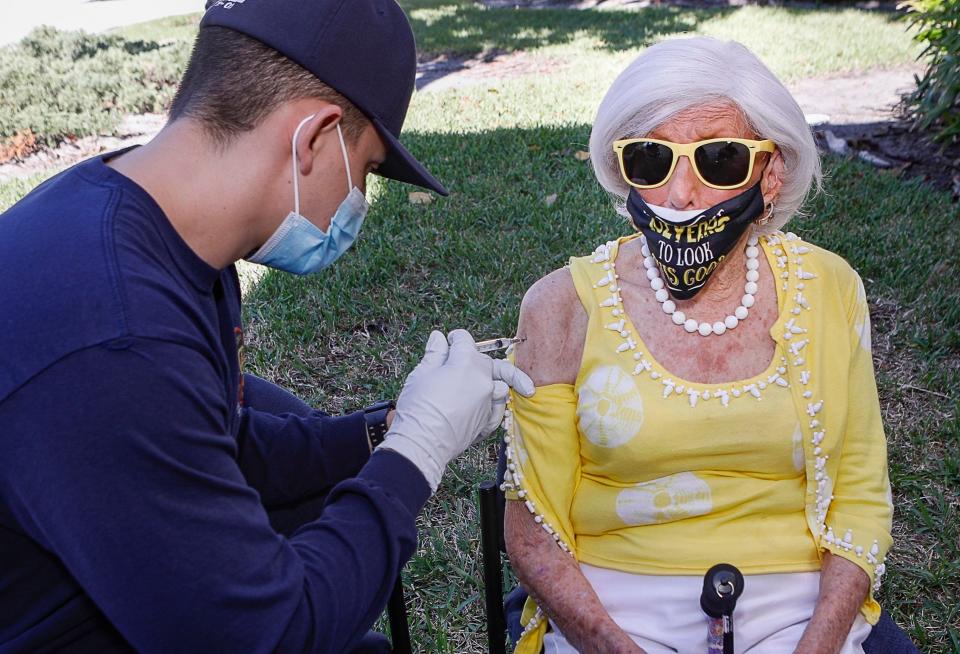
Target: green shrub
936, 100
56, 85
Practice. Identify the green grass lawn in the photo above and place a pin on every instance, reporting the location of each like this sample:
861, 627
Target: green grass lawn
346, 338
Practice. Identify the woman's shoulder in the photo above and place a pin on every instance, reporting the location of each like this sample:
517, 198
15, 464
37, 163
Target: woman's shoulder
835, 274
553, 323
825, 260
553, 295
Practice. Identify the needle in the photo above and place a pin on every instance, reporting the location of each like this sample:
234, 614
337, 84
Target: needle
497, 344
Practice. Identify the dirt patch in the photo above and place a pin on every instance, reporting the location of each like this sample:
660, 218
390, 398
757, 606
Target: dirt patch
444, 72
855, 99
19, 146
134, 130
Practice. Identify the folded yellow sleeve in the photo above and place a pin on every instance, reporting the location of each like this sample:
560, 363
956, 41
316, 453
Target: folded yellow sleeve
543, 472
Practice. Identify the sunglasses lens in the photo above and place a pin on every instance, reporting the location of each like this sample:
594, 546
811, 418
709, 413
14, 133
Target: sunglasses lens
723, 163
646, 163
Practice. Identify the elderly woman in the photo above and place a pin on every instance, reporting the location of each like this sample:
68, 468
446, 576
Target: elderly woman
705, 387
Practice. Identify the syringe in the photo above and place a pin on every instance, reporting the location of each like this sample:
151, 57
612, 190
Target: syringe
497, 344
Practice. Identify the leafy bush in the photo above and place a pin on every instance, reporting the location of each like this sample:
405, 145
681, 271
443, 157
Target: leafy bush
936, 100
56, 85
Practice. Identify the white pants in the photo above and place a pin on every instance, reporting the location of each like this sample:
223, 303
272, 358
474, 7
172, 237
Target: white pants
662, 613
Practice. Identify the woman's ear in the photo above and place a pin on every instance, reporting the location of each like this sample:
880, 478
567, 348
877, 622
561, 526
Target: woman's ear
772, 179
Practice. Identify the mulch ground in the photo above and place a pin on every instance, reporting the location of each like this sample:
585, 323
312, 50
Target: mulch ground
911, 152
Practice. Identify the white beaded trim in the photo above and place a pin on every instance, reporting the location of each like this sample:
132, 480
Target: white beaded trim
794, 328
694, 395
824, 485
847, 545
513, 481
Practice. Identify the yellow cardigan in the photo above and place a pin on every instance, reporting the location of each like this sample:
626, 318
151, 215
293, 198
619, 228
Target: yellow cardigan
824, 329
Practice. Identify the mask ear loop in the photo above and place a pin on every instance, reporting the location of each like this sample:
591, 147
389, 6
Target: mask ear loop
296, 168
346, 159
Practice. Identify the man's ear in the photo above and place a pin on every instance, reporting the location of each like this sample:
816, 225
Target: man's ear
772, 179
309, 141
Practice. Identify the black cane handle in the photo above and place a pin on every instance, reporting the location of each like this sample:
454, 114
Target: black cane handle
722, 585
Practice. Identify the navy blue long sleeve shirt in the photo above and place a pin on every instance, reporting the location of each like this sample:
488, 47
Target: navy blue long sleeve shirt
132, 478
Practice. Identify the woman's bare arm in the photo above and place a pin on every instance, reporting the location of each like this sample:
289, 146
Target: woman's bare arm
553, 579
554, 324
843, 587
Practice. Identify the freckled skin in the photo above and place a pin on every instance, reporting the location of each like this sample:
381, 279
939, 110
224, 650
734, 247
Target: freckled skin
719, 360
555, 323
741, 353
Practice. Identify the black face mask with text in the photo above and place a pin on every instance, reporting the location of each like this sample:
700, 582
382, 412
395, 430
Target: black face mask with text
688, 252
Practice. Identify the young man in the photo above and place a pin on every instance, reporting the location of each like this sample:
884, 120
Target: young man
134, 471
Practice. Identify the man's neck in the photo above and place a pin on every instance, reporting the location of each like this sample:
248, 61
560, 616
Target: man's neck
205, 195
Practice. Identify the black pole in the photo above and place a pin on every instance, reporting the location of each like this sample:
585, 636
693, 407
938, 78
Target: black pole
490, 529
722, 586
728, 641
397, 613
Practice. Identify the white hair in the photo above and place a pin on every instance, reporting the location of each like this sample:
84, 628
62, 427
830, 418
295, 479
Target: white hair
678, 74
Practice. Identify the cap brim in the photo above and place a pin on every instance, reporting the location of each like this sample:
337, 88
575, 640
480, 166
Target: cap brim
401, 166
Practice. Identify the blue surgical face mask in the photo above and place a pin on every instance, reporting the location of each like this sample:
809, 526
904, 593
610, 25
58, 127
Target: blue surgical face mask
300, 247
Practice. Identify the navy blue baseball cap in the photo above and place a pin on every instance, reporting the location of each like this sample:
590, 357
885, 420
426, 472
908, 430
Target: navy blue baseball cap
363, 49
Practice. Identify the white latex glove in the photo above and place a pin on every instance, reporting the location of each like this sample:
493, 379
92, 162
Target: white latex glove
451, 399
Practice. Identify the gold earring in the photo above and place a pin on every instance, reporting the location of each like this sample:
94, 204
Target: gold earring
767, 216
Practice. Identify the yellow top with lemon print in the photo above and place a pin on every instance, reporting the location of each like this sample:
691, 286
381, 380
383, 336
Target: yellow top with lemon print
635, 469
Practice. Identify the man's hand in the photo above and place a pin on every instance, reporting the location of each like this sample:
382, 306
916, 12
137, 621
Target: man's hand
454, 396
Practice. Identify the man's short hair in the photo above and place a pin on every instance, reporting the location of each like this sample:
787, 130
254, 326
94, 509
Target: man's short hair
233, 82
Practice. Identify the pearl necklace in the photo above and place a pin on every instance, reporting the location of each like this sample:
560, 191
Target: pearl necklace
705, 328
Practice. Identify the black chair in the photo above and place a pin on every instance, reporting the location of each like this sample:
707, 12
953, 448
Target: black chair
491, 545
397, 616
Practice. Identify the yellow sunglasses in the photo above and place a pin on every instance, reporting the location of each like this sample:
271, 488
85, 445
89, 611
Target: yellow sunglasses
723, 163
